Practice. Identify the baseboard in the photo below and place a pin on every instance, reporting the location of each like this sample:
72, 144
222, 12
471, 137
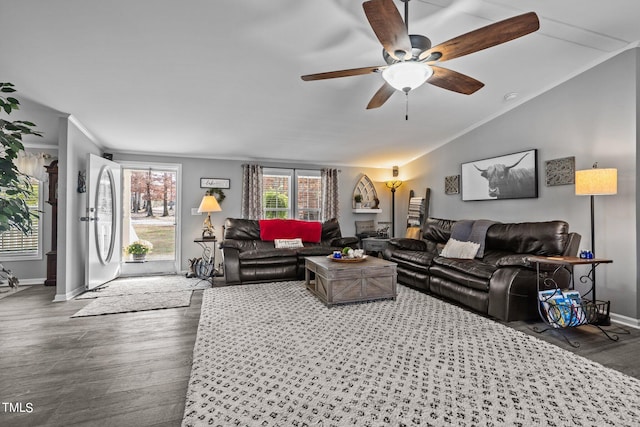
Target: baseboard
26, 282
625, 320
69, 295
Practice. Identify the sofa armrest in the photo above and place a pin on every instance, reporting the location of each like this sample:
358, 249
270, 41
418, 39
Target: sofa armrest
515, 260
408, 244
344, 241
572, 245
231, 257
522, 260
513, 291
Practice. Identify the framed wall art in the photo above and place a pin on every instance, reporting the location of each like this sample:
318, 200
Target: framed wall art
512, 176
560, 171
215, 183
452, 184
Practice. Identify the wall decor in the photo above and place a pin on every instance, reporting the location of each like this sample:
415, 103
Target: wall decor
215, 183
82, 181
560, 171
452, 184
512, 176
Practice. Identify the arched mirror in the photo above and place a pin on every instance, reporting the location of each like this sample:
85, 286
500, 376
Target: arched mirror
105, 215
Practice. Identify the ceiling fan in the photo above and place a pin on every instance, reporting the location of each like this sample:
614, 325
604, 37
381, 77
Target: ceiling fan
410, 58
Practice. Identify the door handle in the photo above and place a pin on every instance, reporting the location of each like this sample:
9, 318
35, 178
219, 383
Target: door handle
87, 218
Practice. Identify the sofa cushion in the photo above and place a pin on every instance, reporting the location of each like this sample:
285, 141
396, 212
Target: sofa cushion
316, 250
457, 249
418, 260
308, 231
408, 244
468, 272
438, 230
536, 238
275, 255
331, 230
471, 267
288, 243
241, 229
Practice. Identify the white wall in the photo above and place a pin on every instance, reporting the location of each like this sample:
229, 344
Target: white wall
592, 117
74, 145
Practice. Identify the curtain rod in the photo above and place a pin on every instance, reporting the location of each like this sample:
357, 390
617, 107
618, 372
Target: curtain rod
293, 169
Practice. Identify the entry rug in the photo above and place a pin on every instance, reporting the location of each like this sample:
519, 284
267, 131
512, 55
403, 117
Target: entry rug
146, 284
274, 355
135, 302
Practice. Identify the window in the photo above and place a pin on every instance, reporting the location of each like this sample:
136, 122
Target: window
289, 193
15, 245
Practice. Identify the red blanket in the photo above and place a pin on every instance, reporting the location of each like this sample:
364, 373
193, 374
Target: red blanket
308, 231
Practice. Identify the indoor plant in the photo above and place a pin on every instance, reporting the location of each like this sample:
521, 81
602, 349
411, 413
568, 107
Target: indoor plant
139, 249
358, 200
14, 212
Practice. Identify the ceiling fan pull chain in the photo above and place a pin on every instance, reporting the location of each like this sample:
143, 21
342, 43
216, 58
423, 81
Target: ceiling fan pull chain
406, 108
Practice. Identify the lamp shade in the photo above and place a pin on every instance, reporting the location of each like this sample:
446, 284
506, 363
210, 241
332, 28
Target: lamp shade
393, 184
596, 182
209, 204
406, 76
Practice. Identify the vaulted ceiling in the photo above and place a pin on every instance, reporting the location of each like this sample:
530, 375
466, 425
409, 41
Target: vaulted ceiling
221, 78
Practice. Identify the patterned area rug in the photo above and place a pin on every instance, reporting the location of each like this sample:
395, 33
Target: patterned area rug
274, 355
145, 285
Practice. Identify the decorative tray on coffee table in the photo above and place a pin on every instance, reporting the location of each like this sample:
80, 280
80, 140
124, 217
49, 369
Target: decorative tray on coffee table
363, 258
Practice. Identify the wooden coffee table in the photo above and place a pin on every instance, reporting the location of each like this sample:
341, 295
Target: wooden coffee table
342, 282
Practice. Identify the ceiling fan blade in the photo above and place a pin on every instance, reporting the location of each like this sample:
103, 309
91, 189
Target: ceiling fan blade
452, 80
483, 38
386, 22
342, 73
381, 96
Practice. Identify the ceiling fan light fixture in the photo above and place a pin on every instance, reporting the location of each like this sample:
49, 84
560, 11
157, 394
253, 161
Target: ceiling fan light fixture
408, 75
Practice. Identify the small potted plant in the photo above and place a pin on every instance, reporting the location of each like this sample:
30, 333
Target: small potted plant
139, 249
358, 200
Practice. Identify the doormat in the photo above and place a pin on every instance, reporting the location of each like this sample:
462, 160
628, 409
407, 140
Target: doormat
135, 302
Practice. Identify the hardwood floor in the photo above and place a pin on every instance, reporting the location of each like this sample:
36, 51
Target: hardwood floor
127, 369
132, 369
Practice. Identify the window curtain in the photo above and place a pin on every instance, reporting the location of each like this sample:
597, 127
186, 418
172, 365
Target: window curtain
251, 191
32, 164
329, 181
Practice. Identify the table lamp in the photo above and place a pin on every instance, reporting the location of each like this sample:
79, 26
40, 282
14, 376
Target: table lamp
209, 204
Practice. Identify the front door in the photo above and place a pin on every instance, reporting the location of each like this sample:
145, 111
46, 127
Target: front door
104, 223
150, 209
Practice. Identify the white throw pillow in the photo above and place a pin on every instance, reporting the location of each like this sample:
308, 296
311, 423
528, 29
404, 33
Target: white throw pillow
288, 243
457, 249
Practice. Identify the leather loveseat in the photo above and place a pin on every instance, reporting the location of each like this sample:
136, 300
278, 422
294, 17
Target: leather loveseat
502, 283
250, 259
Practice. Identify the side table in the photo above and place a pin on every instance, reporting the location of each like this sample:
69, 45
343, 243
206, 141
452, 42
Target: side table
206, 267
374, 245
578, 313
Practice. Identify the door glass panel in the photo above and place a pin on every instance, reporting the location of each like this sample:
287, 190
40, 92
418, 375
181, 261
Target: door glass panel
105, 215
150, 211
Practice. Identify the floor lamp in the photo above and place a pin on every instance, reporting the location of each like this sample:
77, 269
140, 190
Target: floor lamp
596, 182
393, 185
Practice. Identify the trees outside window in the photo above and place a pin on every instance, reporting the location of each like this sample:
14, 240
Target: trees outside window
289, 193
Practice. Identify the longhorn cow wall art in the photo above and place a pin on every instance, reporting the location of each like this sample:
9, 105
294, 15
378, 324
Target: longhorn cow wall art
512, 176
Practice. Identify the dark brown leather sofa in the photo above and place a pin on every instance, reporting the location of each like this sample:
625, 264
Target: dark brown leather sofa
248, 259
501, 284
